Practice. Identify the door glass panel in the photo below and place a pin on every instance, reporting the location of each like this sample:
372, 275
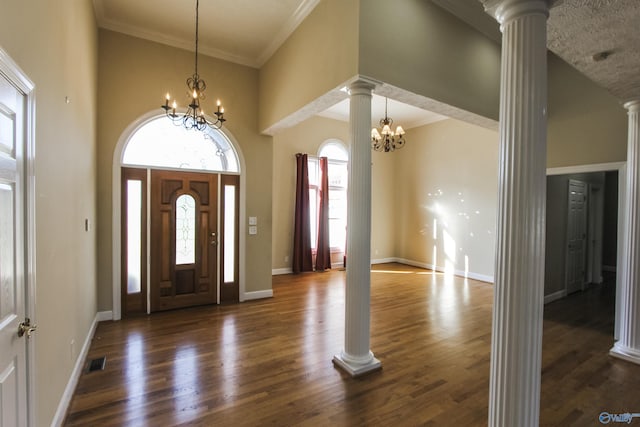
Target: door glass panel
185, 230
229, 232
134, 236
7, 260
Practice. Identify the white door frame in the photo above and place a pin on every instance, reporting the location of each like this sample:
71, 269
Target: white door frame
19, 79
116, 208
595, 233
621, 167
570, 221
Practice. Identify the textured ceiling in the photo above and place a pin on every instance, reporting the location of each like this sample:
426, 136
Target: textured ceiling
576, 31
600, 38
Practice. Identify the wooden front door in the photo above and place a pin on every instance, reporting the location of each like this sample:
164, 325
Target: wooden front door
184, 238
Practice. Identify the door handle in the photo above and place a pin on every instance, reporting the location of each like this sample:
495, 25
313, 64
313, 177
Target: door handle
26, 328
213, 238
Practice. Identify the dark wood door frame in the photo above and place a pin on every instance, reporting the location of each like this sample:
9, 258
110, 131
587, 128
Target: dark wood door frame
133, 303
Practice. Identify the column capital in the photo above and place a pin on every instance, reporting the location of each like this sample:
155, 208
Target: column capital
506, 10
362, 85
633, 106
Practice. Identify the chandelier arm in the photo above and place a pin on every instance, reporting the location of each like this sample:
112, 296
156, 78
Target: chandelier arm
194, 117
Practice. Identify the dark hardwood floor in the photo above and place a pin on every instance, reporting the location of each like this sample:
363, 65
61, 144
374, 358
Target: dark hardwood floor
268, 362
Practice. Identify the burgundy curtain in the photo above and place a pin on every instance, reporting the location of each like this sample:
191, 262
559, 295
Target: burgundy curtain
323, 252
302, 260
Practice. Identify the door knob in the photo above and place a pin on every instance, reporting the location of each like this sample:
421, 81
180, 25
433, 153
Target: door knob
213, 238
26, 328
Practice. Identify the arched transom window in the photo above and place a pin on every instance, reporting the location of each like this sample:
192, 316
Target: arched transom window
160, 143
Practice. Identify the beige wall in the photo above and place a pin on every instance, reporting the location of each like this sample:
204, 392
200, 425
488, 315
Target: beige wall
429, 52
447, 173
55, 44
384, 186
586, 125
134, 76
320, 55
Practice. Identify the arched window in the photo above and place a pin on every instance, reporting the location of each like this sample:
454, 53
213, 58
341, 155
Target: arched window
154, 144
338, 157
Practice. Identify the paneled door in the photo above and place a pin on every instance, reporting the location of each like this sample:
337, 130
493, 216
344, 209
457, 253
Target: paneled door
576, 236
184, 239
13, 346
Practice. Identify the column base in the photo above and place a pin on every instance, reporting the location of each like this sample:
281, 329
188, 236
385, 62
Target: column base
356, 369
625, 353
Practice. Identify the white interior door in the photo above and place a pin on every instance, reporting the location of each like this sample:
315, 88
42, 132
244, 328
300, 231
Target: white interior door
596, 214
576, 236
13, 349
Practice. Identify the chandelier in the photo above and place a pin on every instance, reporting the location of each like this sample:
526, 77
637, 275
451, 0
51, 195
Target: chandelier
387, 140
194, 117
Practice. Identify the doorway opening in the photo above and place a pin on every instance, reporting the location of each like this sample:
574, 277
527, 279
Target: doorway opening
179, 205
582, 231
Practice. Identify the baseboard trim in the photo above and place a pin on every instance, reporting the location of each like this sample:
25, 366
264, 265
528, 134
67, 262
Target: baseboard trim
268, 293
625, 353
383, 260
470, 275
555, 296
280, 271
65, 401
103, 316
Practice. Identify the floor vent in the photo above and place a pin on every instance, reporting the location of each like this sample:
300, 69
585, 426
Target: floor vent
97, 364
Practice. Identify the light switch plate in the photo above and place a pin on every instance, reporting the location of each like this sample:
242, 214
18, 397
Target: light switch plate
253, 229
253, 220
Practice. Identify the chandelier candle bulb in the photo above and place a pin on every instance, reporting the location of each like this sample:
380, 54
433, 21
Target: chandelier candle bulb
389, 140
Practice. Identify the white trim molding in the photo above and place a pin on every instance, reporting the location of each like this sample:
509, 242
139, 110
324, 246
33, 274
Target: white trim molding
65, 400
555, 296
104, 316
597, 167
281, 271
460, 273
267, 293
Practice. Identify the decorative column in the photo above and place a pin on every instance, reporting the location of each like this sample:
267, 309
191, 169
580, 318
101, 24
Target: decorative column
628, 345
356, 358
516, 348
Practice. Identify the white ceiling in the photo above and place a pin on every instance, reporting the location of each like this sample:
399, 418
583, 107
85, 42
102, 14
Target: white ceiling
248, 32
402, 114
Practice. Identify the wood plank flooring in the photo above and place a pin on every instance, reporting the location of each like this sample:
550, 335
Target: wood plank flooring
268, 362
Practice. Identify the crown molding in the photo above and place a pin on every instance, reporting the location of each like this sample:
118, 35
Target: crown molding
300, 14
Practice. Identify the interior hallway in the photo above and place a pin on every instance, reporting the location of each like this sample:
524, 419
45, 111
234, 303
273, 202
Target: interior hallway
268, 362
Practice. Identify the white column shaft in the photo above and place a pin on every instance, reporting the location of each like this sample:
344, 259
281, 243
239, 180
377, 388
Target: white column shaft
356, 357
628, 345
519, 277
